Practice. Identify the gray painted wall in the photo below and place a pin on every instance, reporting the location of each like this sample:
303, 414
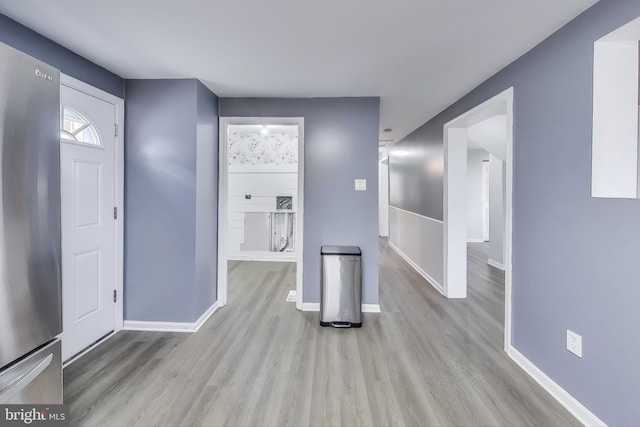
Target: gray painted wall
341, 137
415, 172
574, 257
206, 198
25, 39
165, 134
160, 199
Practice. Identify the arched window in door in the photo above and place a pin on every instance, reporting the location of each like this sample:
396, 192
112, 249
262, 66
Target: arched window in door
77, 128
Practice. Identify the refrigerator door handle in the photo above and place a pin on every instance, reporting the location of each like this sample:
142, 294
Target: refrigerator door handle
18, 380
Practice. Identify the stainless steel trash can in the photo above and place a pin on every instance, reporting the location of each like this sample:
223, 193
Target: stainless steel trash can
341, 281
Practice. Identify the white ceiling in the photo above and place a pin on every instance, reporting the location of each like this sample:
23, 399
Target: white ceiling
419, 56
490, 135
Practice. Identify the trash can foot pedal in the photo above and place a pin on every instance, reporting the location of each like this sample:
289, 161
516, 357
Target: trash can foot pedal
341, 324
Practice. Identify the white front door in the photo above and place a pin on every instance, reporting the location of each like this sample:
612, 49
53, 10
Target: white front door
87, 168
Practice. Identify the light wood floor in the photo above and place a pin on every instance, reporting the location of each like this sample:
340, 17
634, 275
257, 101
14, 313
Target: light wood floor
424, 361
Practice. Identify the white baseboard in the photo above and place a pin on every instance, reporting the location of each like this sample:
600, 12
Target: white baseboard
366, 308
371, 308
310, 306
496, 264
142, 325
205, 316
578, 410
475, 240
417, 214
136, 325
95, 345
417, 268
260, 259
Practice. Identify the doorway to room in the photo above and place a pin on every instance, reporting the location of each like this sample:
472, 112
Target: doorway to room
261, 201
487, 127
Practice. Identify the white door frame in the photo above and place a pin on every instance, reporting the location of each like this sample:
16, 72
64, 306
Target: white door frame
223, 182
118, 104
455, 242
485, 201
383, 198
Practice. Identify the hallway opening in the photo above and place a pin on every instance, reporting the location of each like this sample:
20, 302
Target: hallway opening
260, 197
488, 126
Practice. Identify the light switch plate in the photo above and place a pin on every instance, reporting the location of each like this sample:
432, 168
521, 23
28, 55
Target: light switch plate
574, 343
361, 185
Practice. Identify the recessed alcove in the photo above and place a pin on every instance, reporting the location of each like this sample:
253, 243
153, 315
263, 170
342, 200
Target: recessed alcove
615, 169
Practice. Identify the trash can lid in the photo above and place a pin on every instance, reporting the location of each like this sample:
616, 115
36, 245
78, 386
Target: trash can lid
340, 250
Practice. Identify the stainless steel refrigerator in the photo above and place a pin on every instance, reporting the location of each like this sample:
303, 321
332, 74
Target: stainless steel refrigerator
30, 277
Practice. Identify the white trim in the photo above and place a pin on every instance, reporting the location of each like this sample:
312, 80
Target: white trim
486, 202
576, 408
383, 198
475, 240
477, 113
371, 308
136, 325
417, 268
205, 316
81, 86
310, 306
454, 231
86, 350
366, 308
119, 170
508, 238
496, 264
260, 258
416, 214
223, 179
118, 104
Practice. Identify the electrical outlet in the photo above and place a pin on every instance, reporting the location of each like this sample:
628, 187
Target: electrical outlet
574, 343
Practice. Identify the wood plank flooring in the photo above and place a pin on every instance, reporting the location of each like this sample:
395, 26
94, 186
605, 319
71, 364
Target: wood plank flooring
258, 361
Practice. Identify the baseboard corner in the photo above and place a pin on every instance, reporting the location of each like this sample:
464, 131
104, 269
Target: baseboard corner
205, 316
496, 264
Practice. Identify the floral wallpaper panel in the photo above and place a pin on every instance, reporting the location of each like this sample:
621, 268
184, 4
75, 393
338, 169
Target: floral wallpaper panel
251, 148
